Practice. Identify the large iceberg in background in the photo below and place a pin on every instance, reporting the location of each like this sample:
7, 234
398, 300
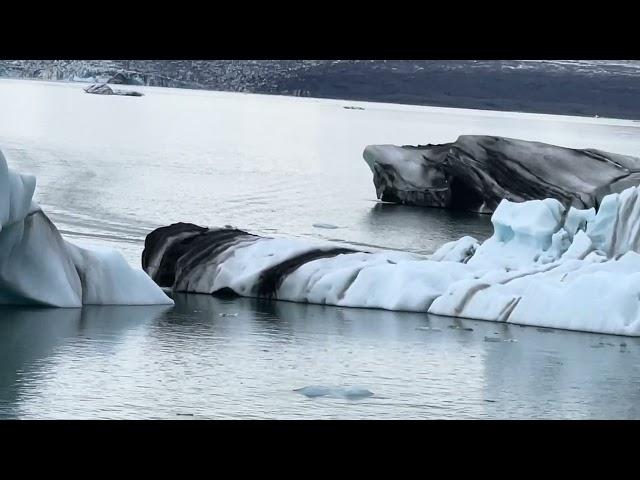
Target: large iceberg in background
476, 172
545, 265
38, 267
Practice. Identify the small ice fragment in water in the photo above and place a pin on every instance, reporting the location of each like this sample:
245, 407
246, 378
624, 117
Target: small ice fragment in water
545, 330
510, 340
355, 393
350, 393
228, 314
324, 225
492, 339
314, 391
465, 329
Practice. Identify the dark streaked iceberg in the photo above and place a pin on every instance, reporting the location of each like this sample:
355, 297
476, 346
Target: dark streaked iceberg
545, 265
189, 258
475, 173
104, 89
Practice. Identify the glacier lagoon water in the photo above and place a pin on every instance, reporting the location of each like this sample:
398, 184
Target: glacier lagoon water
110, 169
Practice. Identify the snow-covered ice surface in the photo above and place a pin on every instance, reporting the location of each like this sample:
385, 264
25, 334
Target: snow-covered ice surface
38, 267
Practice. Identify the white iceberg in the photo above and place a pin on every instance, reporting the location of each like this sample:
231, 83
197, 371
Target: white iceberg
38, 267
545, 265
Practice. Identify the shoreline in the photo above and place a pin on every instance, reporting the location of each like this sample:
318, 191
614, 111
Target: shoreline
416, 107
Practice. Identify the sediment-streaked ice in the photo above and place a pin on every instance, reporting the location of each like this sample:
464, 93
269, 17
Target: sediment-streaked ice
476, 172
545, 265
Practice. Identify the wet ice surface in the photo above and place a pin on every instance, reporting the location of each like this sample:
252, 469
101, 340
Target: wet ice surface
286, 361
110, 170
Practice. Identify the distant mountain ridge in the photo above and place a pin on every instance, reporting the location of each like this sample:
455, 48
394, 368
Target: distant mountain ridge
605, 88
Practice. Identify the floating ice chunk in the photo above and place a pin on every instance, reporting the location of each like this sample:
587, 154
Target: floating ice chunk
324, 225
350, 393
492, 339
429, 329
38, 267
543, 266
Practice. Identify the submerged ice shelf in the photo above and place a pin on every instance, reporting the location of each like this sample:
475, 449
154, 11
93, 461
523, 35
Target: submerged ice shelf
546, 265
38, 267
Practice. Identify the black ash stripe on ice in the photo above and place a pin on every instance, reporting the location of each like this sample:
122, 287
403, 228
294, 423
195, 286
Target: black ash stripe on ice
271, 279
182, 254
164, 246
209, 249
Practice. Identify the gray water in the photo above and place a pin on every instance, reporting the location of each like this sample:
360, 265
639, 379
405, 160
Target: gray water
110, 169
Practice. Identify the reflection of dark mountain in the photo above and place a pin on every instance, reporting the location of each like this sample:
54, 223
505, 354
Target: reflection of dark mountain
604, 88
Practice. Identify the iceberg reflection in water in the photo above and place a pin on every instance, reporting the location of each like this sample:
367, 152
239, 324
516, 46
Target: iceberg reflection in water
188, 361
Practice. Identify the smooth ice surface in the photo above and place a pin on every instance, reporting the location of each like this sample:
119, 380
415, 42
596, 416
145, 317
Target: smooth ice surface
324, 225
350, 393
38, 267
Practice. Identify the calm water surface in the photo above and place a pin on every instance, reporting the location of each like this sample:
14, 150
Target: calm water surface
110, 169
